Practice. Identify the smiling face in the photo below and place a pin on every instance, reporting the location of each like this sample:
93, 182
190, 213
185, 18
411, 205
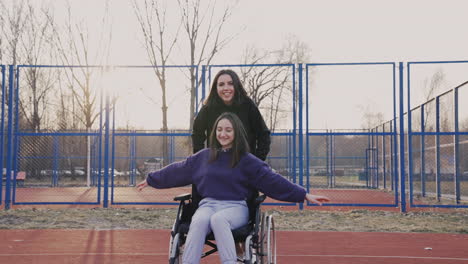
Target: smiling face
225, 88
225, 133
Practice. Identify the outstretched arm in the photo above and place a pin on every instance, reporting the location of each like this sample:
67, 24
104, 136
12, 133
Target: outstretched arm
264, 179
316, 199
174, 175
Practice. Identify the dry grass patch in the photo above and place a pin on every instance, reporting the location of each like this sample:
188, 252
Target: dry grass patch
307, 220
373, 221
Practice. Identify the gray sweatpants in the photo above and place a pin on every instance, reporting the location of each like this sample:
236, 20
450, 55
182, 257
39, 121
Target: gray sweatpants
220, 217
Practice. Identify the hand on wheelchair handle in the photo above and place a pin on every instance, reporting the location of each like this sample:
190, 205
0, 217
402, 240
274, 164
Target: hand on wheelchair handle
142, 185
316, 199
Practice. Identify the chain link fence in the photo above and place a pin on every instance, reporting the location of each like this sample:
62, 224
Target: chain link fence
438, 150
61, 149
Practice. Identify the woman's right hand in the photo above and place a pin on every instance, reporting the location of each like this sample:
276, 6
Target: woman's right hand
316, 199
142, 185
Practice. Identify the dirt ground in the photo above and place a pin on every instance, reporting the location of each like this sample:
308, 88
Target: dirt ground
455, 221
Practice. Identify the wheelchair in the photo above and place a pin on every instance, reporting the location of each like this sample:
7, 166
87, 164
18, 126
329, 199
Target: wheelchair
258, 235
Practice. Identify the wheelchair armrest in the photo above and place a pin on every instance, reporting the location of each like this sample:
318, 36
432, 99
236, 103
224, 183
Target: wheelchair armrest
260, 199
183, 197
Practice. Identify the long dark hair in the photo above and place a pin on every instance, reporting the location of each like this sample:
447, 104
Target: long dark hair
239, 92
239, 144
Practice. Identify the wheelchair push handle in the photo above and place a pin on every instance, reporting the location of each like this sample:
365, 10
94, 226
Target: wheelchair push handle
183, 197
260, 199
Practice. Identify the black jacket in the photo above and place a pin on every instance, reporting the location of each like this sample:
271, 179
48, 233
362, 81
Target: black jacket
258, 133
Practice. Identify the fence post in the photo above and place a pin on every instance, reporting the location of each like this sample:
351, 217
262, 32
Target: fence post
306, 132
457, 149
301, 148
2, 142
402, 146
2, 138
410, 142
423, 154
106, 155
438, 172
15, 138
112, 174
55, 161
9, 137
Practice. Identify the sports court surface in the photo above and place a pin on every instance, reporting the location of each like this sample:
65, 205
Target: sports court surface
150, 246
76, 195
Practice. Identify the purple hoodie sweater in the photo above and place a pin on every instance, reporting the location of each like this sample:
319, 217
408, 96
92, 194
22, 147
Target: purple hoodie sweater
219, 181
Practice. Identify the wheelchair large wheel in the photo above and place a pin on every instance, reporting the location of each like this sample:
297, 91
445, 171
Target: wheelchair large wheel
271, 240
267, 248
175, 256
262, 251
249, 255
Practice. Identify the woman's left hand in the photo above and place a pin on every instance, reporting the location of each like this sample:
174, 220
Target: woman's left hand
316, 199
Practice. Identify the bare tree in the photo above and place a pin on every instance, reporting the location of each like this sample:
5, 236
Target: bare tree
431, 88
203, 25
293, 50
266, 85
26, 32
36, 46
14, 20
64, 98
74, 49
2, 37
2, 25
370, 117
464, 125
159, 44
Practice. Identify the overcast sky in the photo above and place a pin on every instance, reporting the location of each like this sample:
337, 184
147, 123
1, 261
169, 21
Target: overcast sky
356, 30
334, 31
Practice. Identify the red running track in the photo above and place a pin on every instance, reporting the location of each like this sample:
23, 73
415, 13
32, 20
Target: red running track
150, 246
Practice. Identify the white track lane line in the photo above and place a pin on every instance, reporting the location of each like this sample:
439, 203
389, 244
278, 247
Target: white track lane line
165, 254
367, 256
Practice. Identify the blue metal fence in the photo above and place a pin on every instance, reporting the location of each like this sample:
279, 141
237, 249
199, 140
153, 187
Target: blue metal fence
9, 145
336, 162
2, 127
353, 152
135, 152
435, 147
43, 153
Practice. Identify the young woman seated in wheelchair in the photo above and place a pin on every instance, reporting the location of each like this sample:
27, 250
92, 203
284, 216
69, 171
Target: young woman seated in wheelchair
225, 174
